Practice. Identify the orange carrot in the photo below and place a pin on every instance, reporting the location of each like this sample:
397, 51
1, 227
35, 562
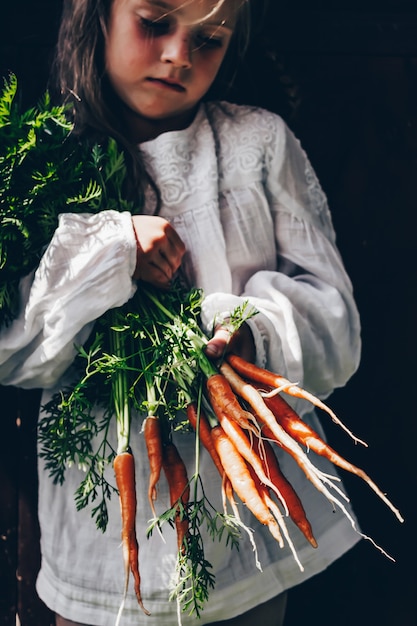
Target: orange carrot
240, 439
264, 493
237, 470
294, 504
124, 470
273, 507
304, 434
204, 432
179, 489
256, 374
219, 391
198, 421
153, 440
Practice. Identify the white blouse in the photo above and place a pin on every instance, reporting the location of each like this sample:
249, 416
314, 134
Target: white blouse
241, 193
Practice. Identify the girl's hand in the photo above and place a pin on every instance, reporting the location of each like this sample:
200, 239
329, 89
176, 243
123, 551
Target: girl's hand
241, 343
159, 250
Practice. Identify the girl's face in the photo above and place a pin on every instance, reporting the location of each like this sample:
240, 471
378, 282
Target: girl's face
162, 56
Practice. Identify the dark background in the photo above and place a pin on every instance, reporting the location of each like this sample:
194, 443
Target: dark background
344, 77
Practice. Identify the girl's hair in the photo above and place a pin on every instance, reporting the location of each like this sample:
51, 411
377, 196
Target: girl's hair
79, 75
223, 82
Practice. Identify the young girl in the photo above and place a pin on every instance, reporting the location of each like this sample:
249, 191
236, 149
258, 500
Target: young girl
229, 197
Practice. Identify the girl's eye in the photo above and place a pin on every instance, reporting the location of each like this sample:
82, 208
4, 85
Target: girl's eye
208, 41
155, 27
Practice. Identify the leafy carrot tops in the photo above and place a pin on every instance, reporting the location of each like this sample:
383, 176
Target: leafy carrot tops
45, 171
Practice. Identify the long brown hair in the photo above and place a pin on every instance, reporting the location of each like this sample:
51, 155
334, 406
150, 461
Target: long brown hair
79, 78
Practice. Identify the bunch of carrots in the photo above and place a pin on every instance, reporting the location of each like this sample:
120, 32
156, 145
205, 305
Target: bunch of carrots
240, 416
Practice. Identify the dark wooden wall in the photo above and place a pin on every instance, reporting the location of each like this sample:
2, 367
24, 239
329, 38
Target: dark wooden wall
344, 76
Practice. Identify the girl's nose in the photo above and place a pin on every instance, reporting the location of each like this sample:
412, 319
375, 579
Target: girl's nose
177, 49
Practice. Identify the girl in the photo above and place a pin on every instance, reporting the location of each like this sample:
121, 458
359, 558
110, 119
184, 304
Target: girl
228, 197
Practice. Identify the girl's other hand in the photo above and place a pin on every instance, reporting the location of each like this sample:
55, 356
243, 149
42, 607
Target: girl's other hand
159, 250
241, 343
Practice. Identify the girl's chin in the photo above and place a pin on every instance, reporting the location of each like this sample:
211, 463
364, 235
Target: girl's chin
147, 122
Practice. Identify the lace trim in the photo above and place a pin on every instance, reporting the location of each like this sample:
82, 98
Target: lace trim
315, 192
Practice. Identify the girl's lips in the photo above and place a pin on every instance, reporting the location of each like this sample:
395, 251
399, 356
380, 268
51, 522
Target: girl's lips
166, 82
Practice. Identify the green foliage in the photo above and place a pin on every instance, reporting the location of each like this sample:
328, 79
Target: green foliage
45, 171
154, 357
194, 577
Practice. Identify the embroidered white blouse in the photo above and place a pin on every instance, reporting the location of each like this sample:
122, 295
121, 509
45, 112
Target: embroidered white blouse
241, 193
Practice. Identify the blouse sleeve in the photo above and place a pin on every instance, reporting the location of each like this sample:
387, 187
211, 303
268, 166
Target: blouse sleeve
308, 326
86, 270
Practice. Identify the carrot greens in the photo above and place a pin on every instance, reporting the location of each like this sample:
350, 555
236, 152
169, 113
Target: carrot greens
45, 171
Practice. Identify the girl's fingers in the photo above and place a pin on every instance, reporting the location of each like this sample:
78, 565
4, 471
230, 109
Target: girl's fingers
225, 340
171, 254
217, 346
159, 250
159, 274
